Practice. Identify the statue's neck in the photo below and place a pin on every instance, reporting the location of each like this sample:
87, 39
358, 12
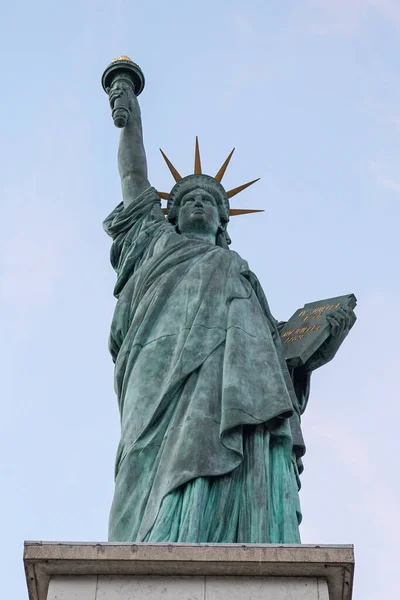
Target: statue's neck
207, 238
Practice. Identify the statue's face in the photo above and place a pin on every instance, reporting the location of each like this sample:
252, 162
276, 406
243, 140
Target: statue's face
198, 213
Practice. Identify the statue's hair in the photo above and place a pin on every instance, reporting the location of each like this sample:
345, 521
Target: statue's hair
210, 185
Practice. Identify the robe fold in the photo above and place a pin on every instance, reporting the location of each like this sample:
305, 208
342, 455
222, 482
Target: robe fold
211, 441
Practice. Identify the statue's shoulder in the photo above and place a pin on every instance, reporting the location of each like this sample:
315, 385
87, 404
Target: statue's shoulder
238, 260
143, 210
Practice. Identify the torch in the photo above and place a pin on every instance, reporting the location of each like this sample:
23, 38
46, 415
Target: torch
122, 68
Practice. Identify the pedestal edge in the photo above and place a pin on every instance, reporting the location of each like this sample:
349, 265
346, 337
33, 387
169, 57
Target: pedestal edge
42, 560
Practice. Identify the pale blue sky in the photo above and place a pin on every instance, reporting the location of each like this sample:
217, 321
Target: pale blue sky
309, 93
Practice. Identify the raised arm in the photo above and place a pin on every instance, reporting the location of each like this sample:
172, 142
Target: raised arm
132, 164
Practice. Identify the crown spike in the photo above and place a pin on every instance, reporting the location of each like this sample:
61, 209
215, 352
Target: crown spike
234, 212
171, 167
240, 188
197, 161
222, 170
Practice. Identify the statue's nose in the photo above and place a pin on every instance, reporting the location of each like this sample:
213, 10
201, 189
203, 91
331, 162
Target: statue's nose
199, 201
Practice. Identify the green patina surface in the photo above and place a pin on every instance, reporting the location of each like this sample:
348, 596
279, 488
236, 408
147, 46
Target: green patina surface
211, 441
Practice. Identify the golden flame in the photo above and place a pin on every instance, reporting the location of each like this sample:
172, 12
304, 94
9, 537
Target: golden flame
123, 57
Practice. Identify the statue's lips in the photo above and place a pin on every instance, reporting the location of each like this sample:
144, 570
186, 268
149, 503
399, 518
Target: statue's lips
199, 211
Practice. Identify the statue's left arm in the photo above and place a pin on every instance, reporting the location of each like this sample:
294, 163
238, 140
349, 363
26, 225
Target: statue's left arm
301, 378
341, 321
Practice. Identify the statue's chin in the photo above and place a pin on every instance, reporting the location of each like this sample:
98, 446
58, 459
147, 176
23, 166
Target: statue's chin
200, 229
196, 223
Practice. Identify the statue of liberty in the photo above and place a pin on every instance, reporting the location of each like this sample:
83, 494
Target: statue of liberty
211, 445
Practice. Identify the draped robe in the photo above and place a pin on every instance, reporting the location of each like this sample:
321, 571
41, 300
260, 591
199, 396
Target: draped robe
211, 443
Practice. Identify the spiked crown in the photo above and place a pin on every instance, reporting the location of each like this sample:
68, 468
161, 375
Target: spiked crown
197, 178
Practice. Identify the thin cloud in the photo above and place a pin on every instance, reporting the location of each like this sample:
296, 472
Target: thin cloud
394, 120
33, 253
29, 264
339, 16
31, 260
243, 26
357, 456
379, 171
348, 17
389, 184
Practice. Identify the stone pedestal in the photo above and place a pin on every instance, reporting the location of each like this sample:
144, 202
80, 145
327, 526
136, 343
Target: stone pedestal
107, 571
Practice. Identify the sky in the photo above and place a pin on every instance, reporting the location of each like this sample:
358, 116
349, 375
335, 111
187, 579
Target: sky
308, 91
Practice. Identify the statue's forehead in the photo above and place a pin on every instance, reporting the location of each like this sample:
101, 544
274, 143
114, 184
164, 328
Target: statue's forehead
198, 190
